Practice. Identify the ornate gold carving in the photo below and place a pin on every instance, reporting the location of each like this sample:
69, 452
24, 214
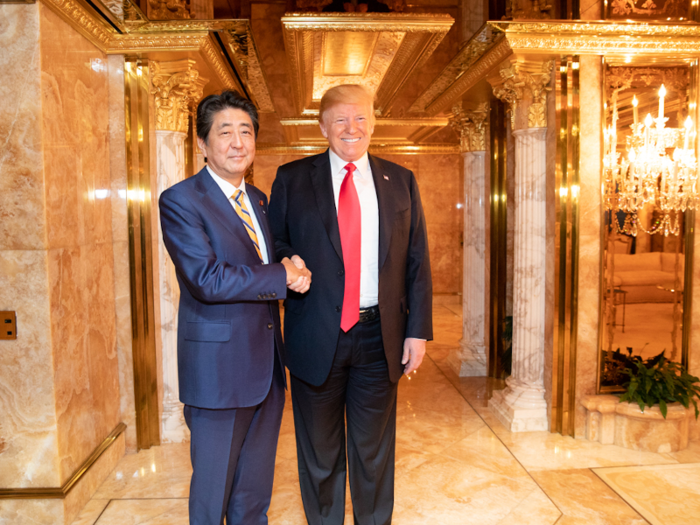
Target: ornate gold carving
518, 76
93, 28
170, 10
175, 85
470, 126
404, 42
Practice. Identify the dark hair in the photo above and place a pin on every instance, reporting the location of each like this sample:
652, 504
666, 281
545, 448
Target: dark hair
212, 104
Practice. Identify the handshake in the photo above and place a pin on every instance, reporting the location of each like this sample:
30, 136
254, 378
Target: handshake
298, 275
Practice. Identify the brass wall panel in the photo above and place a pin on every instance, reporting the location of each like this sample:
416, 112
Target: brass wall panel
137, 89
567, 244
498, 235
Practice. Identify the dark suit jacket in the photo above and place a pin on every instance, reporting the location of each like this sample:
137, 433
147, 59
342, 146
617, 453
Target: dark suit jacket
228, 321
304, 221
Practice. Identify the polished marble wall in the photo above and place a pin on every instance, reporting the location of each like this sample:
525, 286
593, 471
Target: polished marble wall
59, 381
440, 181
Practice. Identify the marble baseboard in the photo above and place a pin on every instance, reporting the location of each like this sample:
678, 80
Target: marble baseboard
623, 424
63, 511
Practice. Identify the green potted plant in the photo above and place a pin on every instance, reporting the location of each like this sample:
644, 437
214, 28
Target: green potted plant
660, 381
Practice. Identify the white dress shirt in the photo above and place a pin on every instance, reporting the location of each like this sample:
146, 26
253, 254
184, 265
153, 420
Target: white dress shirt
230, 190
369, 208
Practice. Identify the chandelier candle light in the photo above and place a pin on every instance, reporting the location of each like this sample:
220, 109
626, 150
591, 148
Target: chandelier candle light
648, 175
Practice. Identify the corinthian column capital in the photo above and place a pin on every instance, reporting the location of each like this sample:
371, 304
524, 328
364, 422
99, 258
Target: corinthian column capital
470, 126
523, 85
176, 85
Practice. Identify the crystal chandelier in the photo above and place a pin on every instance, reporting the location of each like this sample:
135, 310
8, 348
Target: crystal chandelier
648, 175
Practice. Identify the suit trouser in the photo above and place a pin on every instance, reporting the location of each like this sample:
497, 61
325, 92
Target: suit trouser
233, 459
357, 389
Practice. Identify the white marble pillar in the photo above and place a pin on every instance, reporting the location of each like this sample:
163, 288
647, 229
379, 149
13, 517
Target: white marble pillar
176, 86
522, 406
171, 170
470, 359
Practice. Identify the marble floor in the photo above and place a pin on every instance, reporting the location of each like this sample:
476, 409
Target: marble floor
456, 465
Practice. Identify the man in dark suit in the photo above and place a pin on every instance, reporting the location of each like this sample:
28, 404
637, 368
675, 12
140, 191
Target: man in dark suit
230, 351
358, 224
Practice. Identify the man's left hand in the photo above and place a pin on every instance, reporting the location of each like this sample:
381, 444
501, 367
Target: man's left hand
413, 352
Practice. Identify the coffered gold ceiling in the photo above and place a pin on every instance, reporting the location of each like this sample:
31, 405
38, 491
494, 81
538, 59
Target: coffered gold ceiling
377, 50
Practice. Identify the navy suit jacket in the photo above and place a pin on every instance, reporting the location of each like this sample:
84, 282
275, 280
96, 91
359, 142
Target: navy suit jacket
228, 322
304, 221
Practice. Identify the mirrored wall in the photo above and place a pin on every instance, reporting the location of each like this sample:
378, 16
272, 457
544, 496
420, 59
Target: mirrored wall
649, 182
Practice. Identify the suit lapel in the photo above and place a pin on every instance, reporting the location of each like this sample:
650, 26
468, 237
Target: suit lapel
322, 182
382, 185
261, 214
215, 200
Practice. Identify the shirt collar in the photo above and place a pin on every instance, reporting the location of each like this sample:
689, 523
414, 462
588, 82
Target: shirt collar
338, 164
228, 188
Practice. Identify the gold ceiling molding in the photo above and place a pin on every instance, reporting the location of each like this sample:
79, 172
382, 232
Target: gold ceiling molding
176, 85
387, 131
379, 149
496, 41
137, 34
377, 50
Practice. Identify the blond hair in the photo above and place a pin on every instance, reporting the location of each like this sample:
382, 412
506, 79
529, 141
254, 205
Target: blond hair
346, 94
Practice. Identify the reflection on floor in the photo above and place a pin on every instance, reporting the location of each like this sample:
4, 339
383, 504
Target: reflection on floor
455, 465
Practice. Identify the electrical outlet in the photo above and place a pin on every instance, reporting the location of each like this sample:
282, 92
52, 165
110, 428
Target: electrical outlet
8, 325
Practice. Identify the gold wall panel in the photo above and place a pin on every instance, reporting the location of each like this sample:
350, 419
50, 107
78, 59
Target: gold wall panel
567, 234
346, 53
137, 94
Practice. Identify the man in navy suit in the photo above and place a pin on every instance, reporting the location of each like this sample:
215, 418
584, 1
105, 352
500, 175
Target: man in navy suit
230, 350
357, 222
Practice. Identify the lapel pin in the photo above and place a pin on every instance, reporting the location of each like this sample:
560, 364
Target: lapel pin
261, 202
386, 177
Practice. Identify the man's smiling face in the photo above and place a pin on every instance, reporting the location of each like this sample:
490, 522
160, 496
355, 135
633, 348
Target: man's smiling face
348, 128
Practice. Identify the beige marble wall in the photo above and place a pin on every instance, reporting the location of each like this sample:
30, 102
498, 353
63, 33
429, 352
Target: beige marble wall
589, 238
59, 390
28, 445
440, 180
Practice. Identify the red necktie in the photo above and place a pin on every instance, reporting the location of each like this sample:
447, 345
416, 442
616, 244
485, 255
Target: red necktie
350, 226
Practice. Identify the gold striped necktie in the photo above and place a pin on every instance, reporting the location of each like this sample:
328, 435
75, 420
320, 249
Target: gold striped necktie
243, 213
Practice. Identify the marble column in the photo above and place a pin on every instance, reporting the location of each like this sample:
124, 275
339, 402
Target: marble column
470, 359
175, 85
523, 84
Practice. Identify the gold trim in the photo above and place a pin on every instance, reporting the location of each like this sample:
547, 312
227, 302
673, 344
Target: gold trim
62, 492
403, 22
379, 149
143, 36
495, 41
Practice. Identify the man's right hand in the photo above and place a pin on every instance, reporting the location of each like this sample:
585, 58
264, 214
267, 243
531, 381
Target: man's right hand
298, 275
